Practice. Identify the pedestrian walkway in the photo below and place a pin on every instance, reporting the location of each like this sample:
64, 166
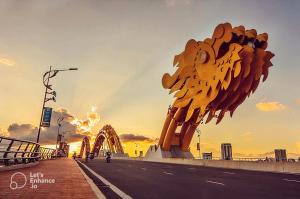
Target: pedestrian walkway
60, 178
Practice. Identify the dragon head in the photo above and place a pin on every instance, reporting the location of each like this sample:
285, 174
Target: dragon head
217, 74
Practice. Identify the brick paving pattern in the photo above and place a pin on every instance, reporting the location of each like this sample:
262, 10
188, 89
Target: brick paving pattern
69, 181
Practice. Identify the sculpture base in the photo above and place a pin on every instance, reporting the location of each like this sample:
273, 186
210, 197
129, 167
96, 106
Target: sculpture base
175, 152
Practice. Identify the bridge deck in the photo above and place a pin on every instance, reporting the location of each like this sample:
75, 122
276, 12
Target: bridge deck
69, 181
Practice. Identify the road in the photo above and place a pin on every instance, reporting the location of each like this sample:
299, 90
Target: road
148, 180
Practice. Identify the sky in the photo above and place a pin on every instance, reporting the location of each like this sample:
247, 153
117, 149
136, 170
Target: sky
122, 50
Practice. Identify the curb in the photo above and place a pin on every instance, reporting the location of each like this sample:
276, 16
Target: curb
93, 186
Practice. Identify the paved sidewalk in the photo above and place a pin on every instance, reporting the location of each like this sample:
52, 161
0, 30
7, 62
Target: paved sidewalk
59, 178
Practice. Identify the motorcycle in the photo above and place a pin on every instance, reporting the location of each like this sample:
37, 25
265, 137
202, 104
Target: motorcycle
108, 157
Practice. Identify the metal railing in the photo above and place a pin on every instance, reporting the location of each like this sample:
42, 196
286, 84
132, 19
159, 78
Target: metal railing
16, 151
47, 153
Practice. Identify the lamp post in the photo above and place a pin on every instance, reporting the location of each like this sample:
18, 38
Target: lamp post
136, 149
63, 133
59, 124
198, 135
49, 91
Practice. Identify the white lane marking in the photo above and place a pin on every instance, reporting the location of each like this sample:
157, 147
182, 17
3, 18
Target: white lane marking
288, 180
167, 173
144, 168
213, 182
230, 173
113, 187
192, 168
96, 190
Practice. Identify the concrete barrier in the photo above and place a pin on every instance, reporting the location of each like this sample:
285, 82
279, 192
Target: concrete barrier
276, 167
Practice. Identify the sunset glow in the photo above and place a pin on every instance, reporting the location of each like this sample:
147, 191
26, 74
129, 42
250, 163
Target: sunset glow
121, 59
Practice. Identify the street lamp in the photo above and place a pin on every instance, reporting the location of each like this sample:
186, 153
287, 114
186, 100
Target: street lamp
59, 124
198, 135
49, 91
63, 133
136, 149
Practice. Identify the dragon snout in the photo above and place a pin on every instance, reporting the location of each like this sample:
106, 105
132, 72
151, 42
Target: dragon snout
168, 81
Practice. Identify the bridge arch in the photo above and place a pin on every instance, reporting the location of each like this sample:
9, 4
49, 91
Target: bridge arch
112, 138
106, 133
98, 143
85, 146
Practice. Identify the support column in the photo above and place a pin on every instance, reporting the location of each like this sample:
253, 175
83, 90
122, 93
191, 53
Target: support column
185, 142
168, 120
183, 130
171, 131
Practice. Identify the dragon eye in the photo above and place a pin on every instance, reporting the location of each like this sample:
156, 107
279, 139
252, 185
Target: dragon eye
203, 56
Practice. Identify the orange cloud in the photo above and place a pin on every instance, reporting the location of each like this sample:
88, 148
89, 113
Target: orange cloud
270, 106
7, 62
86, 126
129, 137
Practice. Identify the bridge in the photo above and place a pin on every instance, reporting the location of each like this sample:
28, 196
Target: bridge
30, 170
213, 77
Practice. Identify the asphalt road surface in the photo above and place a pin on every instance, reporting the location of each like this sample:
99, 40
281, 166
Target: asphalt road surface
151, 180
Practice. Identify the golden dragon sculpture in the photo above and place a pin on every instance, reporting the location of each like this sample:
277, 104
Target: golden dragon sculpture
212, 77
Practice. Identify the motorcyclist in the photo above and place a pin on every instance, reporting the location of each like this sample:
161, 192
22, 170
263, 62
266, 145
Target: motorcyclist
108, 157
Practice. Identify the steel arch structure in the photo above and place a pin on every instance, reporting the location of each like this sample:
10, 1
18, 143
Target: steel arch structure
106, 133
85, 146
98, 143
213, 77
113, 140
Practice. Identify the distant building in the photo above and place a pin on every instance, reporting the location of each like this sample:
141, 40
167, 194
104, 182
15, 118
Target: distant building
207, 156
226, 151
280, 155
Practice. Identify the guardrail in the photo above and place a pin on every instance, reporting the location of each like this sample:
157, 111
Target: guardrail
16, 151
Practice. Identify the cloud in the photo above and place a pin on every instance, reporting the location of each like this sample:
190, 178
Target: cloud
86, 126
7, 62
129, 137
21, 130
270, 106
71, 132
3, 132
298, 101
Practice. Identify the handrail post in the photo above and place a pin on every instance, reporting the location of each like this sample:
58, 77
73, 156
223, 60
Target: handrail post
30, 153
35, 152
16, 160
7, 150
